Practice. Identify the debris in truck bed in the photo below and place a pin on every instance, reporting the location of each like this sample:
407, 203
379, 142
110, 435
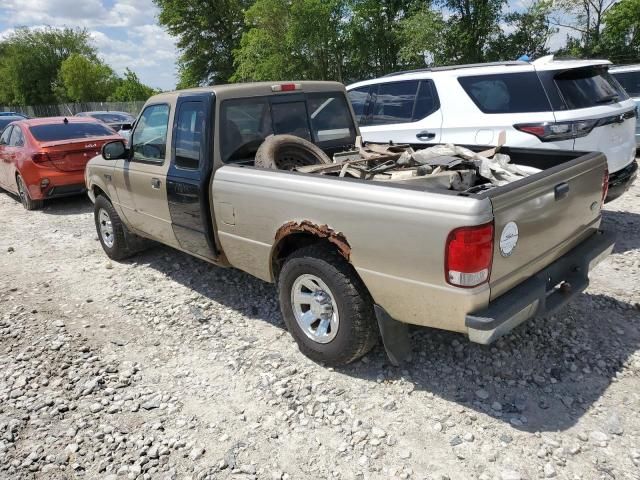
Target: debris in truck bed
442, 166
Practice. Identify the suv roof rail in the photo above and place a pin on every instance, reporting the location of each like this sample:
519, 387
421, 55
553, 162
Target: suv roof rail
457, 67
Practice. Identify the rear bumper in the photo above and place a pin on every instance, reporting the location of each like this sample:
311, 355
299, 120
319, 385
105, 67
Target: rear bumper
61, 184
620, 181
548, 290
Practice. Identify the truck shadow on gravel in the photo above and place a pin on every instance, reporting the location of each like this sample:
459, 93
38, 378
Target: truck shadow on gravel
626, 225
75, 205
542, 377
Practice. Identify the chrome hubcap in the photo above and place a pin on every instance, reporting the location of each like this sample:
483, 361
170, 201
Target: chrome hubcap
314, 308
106, 228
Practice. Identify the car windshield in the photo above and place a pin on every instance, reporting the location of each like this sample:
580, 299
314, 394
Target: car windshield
630, 81
68, 131
324, 118
113, 117
589, 87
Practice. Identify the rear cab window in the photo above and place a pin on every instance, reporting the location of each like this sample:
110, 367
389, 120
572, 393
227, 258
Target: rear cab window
322, 118
54, 132
588, 87
519, 92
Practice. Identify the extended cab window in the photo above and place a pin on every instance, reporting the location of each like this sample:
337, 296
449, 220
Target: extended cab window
189, 135
589, 87
506, 92
149, 139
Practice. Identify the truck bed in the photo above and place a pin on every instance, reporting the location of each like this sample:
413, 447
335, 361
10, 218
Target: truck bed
397, 233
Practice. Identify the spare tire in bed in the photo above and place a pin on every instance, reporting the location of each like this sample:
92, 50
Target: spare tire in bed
286, 152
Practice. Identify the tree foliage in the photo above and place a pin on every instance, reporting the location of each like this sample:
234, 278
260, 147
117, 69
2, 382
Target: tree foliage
30, 60
620, 39
83, 79
208, 33
131, 89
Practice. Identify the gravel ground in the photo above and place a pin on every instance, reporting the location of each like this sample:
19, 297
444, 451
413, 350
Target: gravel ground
166, 367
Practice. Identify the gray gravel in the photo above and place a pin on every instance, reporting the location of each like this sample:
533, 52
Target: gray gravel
165, 367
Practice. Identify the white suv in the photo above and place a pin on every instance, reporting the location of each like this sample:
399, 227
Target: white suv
568, 105
629, 77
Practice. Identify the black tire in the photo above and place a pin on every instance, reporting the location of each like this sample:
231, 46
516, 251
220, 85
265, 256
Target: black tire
114, 244
358, 332
285, 152
25, 199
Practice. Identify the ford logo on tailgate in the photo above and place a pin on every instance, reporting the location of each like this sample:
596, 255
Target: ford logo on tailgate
508, 239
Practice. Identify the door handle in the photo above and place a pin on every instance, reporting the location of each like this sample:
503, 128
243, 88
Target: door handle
425, 136
155, 183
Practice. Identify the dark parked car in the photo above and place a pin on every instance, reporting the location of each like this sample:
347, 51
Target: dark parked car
14, 114
7, 119
115, 120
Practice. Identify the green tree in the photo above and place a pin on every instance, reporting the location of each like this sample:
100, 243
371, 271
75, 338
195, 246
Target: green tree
292, 40
530, 31
208, 33
82, 79
471, 26
31, 58
620, 40
131, 89
421, 37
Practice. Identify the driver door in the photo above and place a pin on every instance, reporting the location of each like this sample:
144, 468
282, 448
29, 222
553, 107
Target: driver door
142, 188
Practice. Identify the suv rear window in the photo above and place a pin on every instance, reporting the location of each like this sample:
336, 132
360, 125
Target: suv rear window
630, 81
589, 87
506, 93
69, 131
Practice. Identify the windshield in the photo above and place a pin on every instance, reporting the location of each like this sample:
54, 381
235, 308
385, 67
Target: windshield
69, 131
112, 117
589, 87
630, 81
323, 118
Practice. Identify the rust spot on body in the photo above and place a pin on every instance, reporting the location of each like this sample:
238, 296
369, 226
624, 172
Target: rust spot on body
320, 231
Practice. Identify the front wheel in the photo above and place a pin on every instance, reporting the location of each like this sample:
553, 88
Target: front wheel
25, 199
326, 307
111, 230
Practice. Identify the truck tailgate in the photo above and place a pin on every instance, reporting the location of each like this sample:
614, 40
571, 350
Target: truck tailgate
539, 219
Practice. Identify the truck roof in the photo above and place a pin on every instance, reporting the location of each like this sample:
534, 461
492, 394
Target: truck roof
253, 89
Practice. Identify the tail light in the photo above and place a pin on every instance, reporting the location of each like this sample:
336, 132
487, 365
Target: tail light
605, 184
554, 131
40, 158
468, 255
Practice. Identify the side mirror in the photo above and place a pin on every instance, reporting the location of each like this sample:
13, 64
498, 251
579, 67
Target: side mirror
2, 142
126, 126
114, 150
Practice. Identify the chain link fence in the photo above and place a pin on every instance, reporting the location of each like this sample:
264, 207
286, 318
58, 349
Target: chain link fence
70, 109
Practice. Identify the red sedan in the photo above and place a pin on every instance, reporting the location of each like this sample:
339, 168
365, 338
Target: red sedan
44, 158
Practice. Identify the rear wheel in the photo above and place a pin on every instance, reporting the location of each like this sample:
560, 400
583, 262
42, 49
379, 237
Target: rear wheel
111, 230
326, 307
25, 199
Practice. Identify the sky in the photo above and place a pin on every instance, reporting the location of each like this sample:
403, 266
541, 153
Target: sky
126, 32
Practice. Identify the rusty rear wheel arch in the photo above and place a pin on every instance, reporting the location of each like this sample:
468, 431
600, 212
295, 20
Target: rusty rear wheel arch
293, 236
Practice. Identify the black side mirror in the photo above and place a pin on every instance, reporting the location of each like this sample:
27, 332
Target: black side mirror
127, 126
114, 150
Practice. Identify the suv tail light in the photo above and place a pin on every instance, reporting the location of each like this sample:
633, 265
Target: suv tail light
40, 158
605, 185
468, 255
554, 131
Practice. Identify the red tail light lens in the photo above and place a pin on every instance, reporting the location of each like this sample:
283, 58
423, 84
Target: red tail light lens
554, 131
605, 184
468, 255
40, 158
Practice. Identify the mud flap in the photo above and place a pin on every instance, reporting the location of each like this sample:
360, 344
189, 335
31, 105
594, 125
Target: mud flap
395, 337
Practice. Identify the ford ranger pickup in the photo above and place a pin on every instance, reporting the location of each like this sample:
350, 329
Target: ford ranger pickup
353, 258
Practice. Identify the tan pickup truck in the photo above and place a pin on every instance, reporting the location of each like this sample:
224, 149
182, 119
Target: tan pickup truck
353, 258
